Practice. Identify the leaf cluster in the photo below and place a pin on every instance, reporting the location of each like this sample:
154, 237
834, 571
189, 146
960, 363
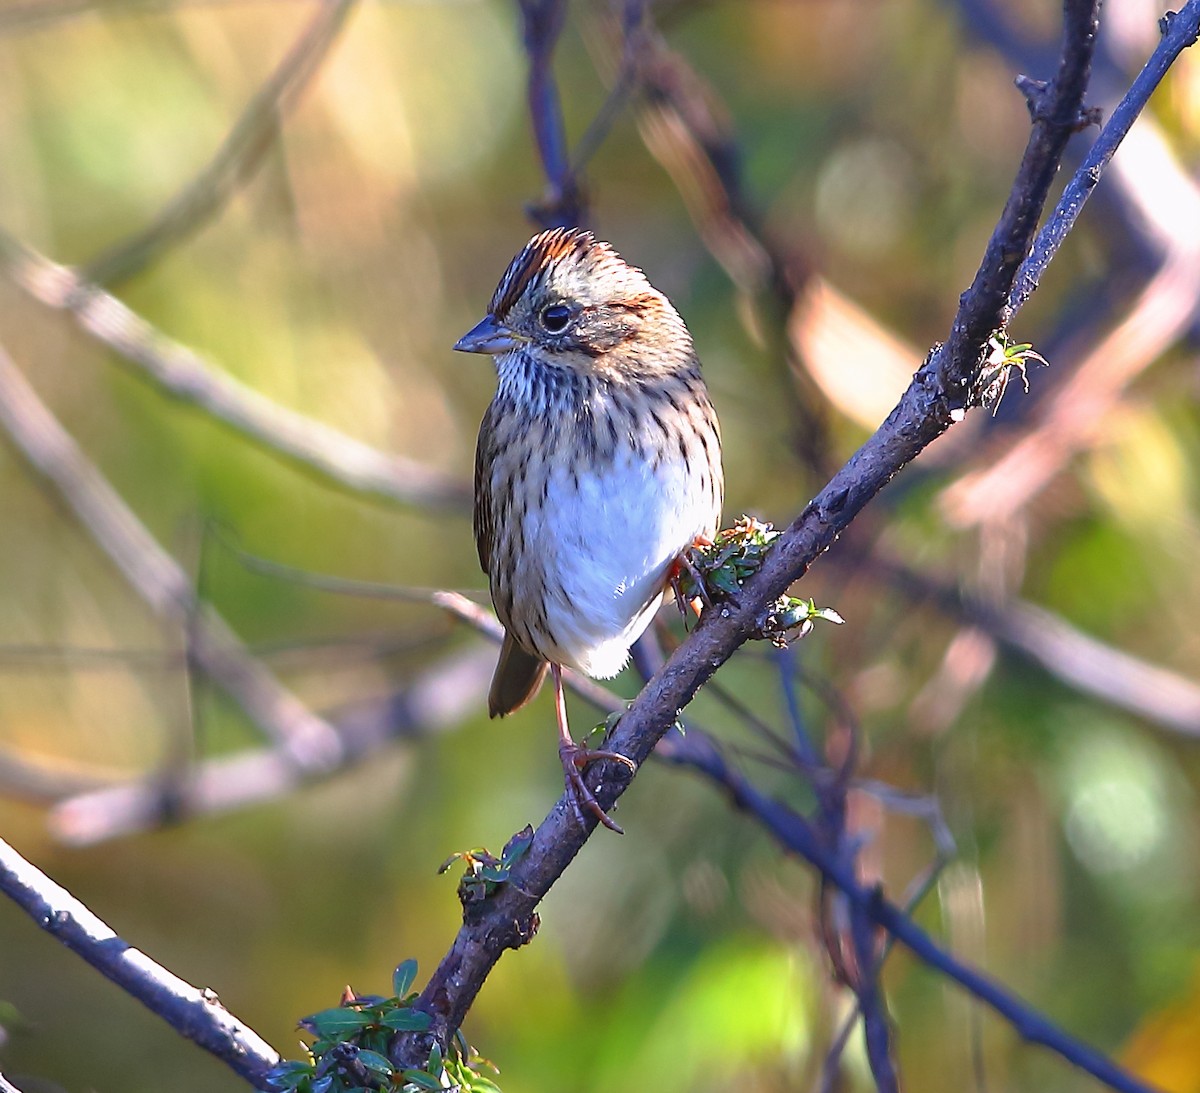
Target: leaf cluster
716, 572
484, 870
350, 1051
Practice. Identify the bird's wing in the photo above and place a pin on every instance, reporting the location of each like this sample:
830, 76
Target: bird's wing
484, 455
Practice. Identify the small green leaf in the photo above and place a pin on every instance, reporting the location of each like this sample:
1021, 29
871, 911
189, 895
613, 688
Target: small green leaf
516, 847
724, 581
404, 976
421, 1079
322, 1085
376, 1063
483, 1085
288, 1075
336, 1023
826, 613
435, 1060
406, 1020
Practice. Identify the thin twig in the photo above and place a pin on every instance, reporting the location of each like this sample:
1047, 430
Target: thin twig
563, 204
1179, 33
624, 84
239, 155
443, 696
187, 376
194, 1013
1162, 202
328, 582
307, 740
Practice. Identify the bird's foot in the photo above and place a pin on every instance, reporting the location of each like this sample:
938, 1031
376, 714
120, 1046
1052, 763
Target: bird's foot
684, 564
575, 759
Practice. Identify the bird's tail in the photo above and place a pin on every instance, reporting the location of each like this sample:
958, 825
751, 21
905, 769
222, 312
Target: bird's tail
518, 676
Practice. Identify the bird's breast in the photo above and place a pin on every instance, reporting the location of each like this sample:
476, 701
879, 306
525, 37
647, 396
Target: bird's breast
598, 549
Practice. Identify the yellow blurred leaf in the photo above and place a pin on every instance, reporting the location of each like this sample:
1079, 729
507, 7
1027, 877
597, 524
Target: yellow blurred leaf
1165, 1049
862, 367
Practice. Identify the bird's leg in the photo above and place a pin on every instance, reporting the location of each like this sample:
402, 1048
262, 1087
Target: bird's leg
682, 563
576, 757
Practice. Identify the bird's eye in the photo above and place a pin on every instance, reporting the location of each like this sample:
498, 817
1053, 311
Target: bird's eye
555, 318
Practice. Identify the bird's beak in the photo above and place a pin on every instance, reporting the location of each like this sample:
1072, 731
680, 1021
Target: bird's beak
488, 336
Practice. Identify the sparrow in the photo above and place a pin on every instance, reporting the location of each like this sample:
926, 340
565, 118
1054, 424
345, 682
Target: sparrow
597, 468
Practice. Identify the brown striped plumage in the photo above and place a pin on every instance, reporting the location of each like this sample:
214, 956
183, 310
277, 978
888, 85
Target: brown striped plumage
598, 463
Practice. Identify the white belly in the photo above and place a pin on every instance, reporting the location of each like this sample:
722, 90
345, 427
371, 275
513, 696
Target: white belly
608, 540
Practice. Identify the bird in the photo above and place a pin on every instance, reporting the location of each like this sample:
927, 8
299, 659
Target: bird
597, 470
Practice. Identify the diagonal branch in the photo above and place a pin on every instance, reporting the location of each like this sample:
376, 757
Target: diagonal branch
308, 741
440, 698
1065, 652
927, 409
185, 375
1077, 413
699, 752
238, 156
1179, 33
795, 833
1057, 111
194, 1013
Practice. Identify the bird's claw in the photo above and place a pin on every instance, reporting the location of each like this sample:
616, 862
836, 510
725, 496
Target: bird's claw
575, 759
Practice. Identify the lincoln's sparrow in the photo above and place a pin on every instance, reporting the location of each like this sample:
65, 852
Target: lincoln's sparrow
598, 465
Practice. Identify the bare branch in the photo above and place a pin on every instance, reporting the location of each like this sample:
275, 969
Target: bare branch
987, 305
794, 832
308, 741
563, 204
507, 919
238, 157
686, 128
1164, 201
1179, 32
441, 698
1079, 660
185, 375
194, 1013
696, 751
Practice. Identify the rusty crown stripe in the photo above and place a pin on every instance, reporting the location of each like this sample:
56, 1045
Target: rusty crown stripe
534, 260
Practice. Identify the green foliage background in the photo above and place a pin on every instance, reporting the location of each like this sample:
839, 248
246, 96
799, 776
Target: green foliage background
880, 140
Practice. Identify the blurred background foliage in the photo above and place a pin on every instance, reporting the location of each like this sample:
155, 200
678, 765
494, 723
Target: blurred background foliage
878, 141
